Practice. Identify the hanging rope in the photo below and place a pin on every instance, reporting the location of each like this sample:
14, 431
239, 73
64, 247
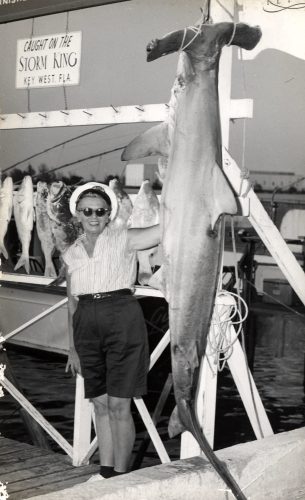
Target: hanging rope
230, 309
232, 36
227, 312
205, 18
196, 30
225, 9
206, 12
63, 85
28, 87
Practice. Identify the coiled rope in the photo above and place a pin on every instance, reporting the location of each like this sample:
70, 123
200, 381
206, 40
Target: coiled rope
222, 337
230, 310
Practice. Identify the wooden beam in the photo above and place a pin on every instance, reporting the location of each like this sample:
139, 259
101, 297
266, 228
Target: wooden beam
265, 228
151, 429
82, 424
137, 113
60, 440
91, 116
241, 108
35, 319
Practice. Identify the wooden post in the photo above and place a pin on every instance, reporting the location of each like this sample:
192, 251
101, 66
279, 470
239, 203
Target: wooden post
82, 424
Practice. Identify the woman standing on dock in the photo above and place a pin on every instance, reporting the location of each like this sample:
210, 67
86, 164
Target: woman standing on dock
108, 337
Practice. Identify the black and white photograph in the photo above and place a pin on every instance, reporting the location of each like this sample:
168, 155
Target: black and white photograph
152, 249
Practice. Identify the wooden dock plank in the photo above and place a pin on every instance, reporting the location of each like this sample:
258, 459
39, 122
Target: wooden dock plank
36, 472
10, 446
49, 488
18, 463
49, 483
22, 454
30, 471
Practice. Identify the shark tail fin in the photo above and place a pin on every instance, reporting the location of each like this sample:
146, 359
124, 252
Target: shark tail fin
193, 427
153, 141
24, 261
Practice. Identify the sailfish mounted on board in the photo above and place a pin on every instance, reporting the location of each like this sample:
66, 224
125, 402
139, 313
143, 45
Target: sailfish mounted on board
195, 196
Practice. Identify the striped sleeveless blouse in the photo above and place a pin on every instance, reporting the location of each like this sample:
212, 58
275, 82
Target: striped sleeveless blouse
110, 268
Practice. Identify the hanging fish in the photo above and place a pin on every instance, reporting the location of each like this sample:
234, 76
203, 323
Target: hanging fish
125, 205
23, 203
145, 213
64, 229
195, 196
162, 169
6, 209
43, 227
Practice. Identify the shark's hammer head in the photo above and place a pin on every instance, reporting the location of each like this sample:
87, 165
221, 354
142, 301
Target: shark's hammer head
204, 42
161, 47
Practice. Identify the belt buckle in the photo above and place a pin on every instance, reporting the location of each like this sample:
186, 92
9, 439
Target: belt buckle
97, 295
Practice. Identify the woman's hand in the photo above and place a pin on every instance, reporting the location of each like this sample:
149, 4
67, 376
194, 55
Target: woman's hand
73, 362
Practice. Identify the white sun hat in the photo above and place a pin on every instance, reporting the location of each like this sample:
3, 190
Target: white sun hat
91, 185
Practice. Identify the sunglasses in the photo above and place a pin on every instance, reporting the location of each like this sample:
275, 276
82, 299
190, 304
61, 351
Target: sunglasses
100, 212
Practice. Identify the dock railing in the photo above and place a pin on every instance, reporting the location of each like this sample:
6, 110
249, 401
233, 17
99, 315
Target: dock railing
83, 448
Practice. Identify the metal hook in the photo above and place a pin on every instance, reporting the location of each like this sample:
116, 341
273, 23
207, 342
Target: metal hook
116, 110
140, 108
87, 113
64, 112
22, 116
43, 116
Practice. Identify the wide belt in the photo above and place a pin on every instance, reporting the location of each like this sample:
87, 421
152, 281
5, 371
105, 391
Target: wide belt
105, 295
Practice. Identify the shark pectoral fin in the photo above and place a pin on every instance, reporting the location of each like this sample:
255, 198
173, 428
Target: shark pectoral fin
153, 141
224, 201
175, 426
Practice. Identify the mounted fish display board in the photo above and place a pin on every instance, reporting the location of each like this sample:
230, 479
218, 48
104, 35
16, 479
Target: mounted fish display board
195, 196
45, 208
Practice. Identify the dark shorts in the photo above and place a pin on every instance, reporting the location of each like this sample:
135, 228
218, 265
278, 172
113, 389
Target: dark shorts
110, 338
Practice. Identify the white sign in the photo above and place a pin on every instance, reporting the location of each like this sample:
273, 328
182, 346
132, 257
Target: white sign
48, 61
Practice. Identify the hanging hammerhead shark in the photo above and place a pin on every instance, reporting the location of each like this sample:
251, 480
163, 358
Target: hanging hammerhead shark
195, 196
